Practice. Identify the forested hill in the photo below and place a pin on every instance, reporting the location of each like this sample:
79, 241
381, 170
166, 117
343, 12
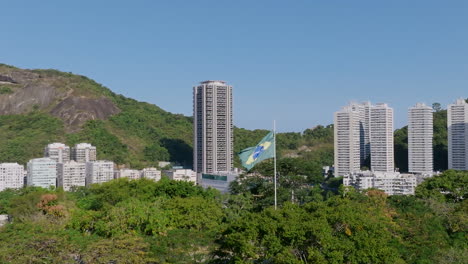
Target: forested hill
38, 107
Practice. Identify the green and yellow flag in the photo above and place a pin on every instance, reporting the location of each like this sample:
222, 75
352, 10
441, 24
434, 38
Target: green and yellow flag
264, 150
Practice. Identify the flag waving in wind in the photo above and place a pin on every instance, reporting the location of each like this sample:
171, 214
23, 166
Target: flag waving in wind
265, 149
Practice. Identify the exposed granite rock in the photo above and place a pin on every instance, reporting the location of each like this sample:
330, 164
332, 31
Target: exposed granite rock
54, 93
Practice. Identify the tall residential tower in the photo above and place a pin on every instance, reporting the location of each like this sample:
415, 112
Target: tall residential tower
363, 110
420, 132
381, 138
457, 123
212, 127
347, 141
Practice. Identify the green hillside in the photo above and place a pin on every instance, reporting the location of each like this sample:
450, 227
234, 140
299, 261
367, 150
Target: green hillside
139, 135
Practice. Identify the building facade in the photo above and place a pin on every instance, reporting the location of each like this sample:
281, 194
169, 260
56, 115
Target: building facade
99, 171
347, 141
128, 173
363, 110
392, 183
212, 127
151, 173
218, 181
42, 172
84, 152
71, 174
381, 138
457, 124
11, 176
58, 152
420, 134
182, 175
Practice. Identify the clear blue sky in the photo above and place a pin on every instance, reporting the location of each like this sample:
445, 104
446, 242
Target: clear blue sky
293, 61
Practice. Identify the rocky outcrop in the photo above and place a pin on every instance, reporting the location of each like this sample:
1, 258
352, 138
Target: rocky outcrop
62, 95
75, 111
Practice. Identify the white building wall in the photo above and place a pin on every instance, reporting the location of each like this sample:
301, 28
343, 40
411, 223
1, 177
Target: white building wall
381, 138
11, 176
42, 172
128, 173
182, 175
420, 134
347, 141
151, 173
392, 183
71, 174
457, 124
58, 152
99, 171
213, 127
84, 152
364, 128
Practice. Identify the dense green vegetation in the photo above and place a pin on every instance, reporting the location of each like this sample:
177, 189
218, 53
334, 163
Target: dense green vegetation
125, 221
24, 136
5, 89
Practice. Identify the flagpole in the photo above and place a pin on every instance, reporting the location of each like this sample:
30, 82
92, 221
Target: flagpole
274, 157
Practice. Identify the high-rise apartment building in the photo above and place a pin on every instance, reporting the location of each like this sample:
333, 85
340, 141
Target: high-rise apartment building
99, 171
457, 124
71, 174
213, 127
381, 138
58, 152
11, 176
420, 133
363, 110
42, 172
83, 152
347, 141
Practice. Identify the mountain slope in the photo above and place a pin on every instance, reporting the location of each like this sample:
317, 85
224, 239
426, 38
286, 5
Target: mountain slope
42, 106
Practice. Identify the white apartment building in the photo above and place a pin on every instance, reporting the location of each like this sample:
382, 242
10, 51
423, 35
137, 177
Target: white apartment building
99, 171
71, 174
457, 124
128, 173
381, 138
347, 141
11, 176
212, 127
42, 172
364, 128
392, 183
58, 152
151, 173
182, 175
420, 134
83, 152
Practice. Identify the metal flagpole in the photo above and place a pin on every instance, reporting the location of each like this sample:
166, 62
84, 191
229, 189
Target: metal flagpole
274, 150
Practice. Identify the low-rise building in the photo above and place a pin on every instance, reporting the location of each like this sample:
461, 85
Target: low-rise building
392, 183
11, 176
42, 172
71, 174
219, 181
182, 175
151, 173
128, 173
99, 171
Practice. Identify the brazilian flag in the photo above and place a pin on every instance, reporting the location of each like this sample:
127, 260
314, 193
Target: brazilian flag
264, 150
